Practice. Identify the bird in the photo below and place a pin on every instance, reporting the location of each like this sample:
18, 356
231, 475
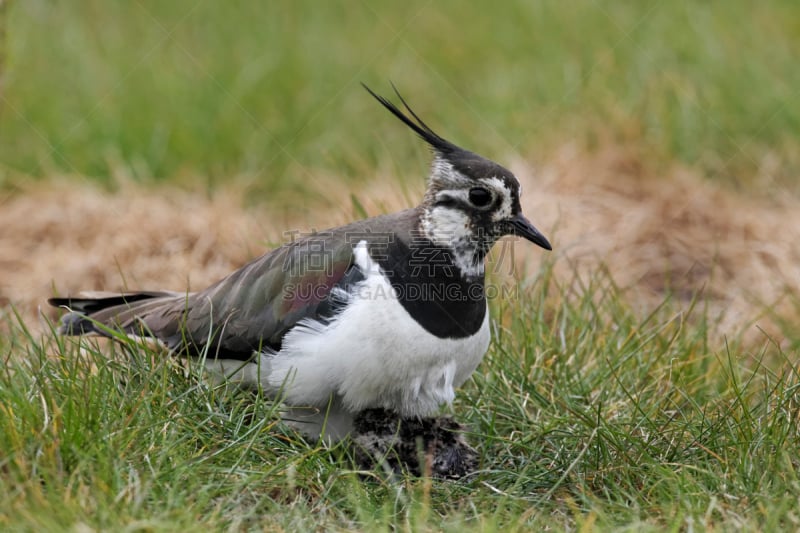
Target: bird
386, 313
435, 446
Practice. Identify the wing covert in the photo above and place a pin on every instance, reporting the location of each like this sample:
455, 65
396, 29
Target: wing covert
254, 307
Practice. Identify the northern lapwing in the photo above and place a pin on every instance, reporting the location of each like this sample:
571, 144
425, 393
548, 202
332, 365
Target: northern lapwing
385, 313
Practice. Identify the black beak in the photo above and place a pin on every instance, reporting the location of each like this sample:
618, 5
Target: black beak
523, 227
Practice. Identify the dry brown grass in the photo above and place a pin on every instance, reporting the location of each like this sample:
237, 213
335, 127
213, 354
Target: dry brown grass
673, 232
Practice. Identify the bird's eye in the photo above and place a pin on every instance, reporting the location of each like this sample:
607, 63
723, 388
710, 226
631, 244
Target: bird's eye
480, 197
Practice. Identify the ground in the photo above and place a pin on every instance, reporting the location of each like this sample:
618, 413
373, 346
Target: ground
642, 375
658, 274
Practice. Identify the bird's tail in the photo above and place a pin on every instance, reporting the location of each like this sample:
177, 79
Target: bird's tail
96, 313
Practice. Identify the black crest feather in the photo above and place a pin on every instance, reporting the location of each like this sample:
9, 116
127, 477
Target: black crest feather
437, 142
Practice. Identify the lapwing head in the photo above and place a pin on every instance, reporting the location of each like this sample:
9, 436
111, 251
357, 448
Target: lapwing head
471, 201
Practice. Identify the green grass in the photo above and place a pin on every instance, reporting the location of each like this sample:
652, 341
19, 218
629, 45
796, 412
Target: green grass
587, 412
584, 413
203, 91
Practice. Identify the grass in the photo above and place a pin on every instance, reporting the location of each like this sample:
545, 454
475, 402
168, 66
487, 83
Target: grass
585, 414
202, 91
592, 410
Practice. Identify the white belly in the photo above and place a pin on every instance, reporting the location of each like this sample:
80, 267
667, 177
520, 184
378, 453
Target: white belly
373, 354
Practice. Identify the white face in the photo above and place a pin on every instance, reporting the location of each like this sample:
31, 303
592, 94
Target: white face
446, 225
464, 210
451, 228
500, 190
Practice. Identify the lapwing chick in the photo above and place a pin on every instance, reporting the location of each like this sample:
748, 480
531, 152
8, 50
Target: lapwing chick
433, 446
